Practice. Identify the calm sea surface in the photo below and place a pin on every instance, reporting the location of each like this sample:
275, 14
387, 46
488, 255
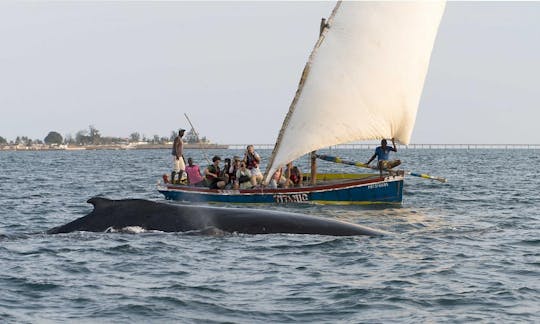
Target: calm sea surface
464, 251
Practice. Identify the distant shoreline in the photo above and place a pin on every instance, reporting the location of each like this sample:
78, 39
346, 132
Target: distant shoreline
257, 146
45, 147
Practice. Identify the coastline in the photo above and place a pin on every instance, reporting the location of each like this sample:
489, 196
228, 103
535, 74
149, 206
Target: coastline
45, 147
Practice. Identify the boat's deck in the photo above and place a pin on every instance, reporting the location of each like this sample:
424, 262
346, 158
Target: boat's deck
339, 177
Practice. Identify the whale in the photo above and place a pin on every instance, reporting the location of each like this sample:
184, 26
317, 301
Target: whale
168, 217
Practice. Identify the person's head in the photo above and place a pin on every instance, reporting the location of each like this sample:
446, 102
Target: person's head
242, 164
216, 159
181, 132
250, 149
384, 143
227, 161
190, 161
237, 159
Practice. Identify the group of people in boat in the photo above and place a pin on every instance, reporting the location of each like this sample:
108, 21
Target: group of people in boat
244, 173
236, 173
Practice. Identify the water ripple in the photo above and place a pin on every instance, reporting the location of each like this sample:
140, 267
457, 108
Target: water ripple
460, 252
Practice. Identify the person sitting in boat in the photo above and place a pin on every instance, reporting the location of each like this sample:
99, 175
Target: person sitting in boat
212, 172
179, 165
278, 179
243, 177
194, 173
293, 176
382, 153
225, 171
252, 160
235, 165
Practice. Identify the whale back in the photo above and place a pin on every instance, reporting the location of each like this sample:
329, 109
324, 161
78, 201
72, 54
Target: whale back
168, 217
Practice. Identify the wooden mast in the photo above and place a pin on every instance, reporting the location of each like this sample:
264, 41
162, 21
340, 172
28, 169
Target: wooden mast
322, 31
313, 154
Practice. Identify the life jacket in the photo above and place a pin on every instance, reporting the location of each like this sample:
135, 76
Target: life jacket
295, 176
251, 163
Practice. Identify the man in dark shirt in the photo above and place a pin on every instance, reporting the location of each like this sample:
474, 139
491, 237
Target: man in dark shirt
212, 174
179, 165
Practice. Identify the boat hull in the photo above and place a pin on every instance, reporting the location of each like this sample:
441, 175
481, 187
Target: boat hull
359, 191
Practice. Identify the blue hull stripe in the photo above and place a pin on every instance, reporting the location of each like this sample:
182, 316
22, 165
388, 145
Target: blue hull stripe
352, 192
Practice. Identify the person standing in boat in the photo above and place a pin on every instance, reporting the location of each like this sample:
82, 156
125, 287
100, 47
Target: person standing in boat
383, 153
179, 165
252, 160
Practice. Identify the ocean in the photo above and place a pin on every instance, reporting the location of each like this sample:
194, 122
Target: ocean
464, 251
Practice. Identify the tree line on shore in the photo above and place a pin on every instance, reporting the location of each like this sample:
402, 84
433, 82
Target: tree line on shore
90, 136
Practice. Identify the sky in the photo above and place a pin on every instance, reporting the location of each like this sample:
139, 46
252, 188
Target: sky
233, 68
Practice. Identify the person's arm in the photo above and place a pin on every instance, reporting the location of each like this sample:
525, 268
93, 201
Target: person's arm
371, 159
208, 172
394, 147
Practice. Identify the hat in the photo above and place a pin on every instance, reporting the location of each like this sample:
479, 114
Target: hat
181, 130
216, 158
236, 158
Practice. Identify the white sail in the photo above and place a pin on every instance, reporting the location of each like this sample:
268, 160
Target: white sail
364, 78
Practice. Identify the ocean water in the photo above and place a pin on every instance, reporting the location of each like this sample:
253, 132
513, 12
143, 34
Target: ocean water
464, 251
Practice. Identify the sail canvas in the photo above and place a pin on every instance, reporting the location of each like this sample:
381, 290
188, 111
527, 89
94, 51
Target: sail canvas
364, 78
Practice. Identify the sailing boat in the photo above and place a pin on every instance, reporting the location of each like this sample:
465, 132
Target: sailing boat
363, 81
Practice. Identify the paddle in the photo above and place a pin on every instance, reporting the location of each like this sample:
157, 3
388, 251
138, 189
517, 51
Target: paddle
336, 159
426, 176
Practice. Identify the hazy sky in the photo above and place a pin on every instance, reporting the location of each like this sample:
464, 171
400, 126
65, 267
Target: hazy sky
233, 67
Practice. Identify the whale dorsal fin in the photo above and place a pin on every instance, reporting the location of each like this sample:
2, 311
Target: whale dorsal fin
100, 202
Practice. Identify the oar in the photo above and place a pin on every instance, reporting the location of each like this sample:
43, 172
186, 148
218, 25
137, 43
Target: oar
198, 140
336, 159
426, 176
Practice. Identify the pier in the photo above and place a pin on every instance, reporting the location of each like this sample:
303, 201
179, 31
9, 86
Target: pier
411, 146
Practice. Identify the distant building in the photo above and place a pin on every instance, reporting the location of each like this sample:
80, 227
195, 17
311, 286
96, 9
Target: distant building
191, 137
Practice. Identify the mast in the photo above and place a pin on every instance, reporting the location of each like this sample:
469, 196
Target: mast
313, 155
323, 29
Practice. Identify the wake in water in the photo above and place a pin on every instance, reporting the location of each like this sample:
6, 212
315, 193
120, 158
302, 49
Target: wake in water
210, 231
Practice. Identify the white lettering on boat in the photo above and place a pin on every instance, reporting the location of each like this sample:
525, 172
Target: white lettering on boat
293, 198
378, 185
229, 191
